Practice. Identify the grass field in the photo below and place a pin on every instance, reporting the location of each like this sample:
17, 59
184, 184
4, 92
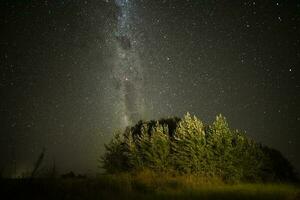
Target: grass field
143, 186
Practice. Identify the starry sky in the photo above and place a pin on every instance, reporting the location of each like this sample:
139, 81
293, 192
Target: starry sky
74, 71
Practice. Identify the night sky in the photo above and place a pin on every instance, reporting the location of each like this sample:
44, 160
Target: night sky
72, 72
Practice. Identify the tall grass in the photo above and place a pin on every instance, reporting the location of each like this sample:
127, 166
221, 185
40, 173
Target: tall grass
148, 185
145, 185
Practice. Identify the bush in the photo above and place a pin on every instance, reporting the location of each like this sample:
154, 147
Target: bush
188, 146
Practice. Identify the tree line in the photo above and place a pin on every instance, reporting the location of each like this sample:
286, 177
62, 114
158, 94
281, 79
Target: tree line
189, 146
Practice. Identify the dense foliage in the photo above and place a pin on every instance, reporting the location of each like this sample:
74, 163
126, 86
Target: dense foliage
188, 146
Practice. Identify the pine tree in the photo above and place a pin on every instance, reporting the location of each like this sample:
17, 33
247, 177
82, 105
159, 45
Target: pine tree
158, 154
220, 143
115, 159
189, 146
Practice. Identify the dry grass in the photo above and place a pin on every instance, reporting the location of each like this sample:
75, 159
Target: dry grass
145, 185
171, 182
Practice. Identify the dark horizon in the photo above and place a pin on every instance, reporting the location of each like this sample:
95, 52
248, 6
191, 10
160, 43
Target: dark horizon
72, 72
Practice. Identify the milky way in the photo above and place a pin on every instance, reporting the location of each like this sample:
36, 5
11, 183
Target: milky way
73, 72
127, 70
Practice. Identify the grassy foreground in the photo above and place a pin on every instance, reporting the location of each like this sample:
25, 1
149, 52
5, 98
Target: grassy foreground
143, 186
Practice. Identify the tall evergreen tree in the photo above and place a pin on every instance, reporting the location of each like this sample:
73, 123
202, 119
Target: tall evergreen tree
189, 146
